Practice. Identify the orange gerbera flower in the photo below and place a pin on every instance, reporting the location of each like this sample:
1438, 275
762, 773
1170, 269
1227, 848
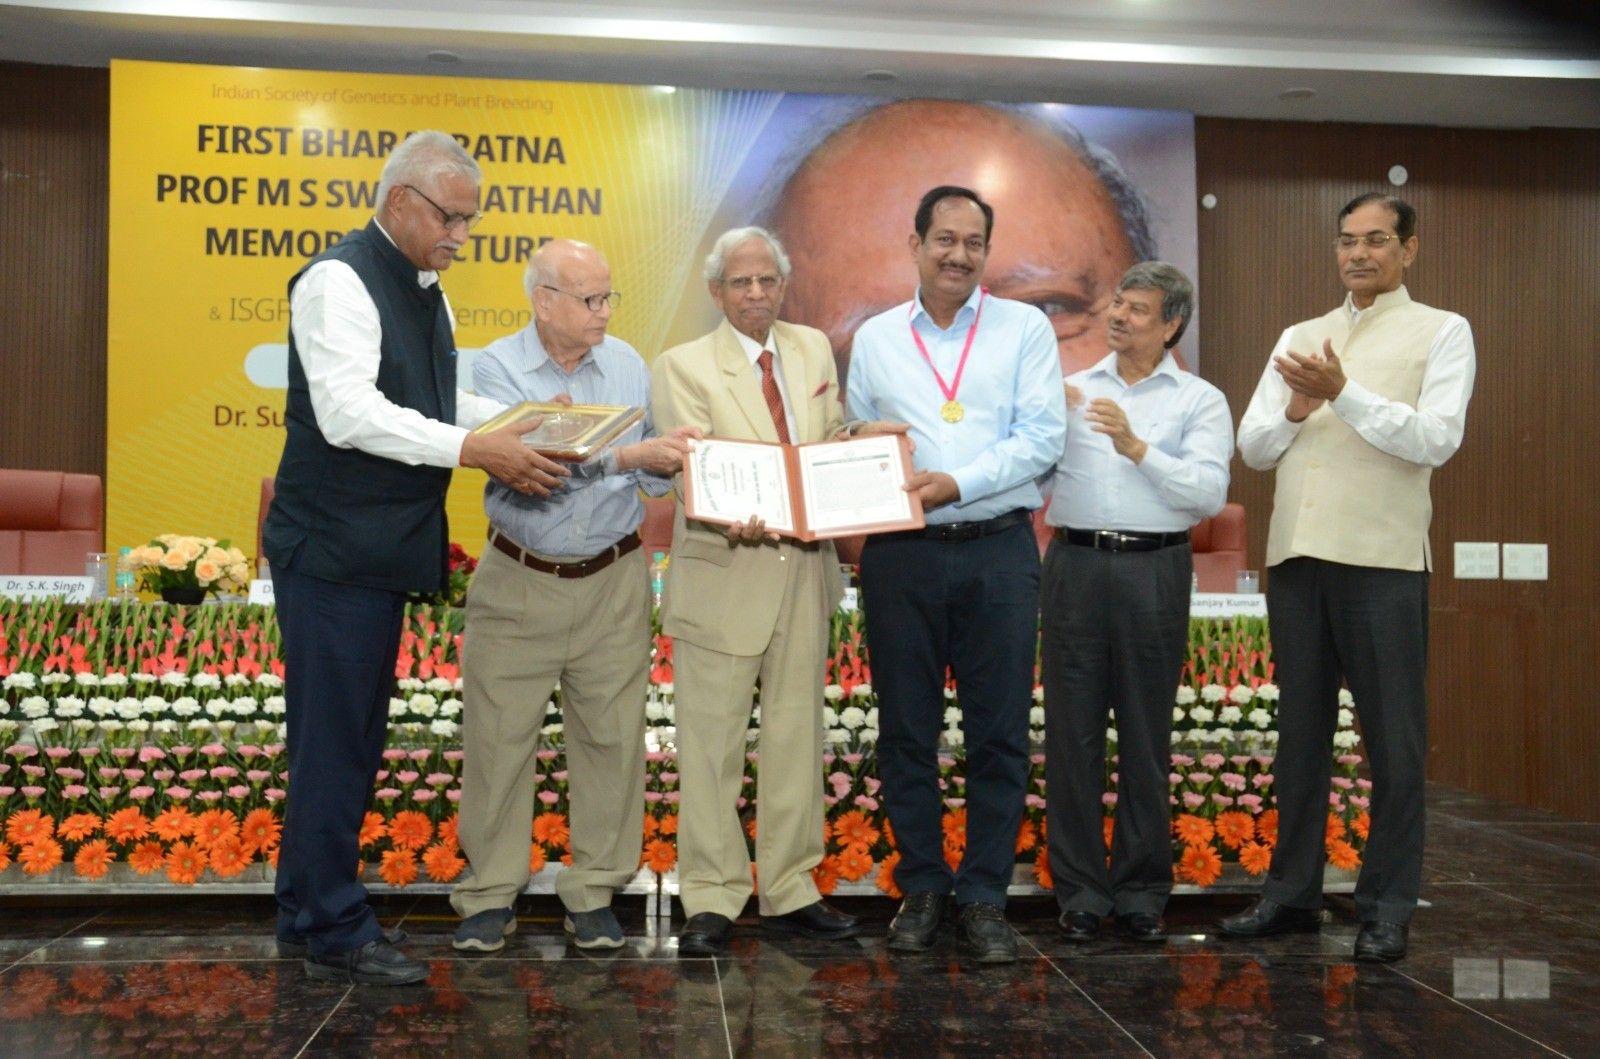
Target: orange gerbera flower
1027, 836
78, 826
450, 832
127, 825
40, 857
29, 825
93, 859
1334, 829
1200, 865
854, 863
885, 879
1235, 828
1255, 858
888, 832
651, 826
954, 823
399, 867
660, 855
1361, 824
952, 855
750, 828
5, 856
228, 858
1041, 869
854, 829
173, 824
410, 830
214, 827
669, 824
147, 857
1267, 828
826, 875
442, 862
260, 831
1107, 829
185, 863
1343, 855
373, 830
536, 858
551, 830
1193, 830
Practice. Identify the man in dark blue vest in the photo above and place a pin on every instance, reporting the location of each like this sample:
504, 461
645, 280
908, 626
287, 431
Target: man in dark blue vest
374, 426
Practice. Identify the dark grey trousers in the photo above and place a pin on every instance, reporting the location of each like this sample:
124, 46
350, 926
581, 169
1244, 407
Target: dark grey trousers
1115, 627
1368, 627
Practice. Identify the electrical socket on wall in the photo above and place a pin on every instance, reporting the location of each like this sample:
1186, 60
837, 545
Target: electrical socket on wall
1477, 560
1526, 562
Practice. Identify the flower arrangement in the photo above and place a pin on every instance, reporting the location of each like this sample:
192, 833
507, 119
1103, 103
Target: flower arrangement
202, 564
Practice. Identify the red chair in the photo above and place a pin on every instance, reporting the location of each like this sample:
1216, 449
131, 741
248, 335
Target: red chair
49, 521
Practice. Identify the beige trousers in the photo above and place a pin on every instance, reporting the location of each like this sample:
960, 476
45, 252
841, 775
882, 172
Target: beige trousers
525, 631
713, 704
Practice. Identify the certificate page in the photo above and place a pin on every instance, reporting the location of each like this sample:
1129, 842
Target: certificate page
850, 486
731, 480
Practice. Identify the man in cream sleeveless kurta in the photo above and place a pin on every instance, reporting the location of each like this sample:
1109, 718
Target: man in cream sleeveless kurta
1355, 411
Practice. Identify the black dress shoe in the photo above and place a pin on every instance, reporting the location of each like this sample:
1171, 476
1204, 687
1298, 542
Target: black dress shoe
705, 934
1380, 942
1267, 917
1142, 926
816, 920
297, 949
375, 963
1079, 926
915, 925
984, 936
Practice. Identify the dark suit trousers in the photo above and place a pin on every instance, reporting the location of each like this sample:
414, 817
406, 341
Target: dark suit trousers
1369, 627
1116, 625
972, 606
339, 646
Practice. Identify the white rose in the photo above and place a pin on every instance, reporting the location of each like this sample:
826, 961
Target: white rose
441, 685
165, 726
1038, 693
114, 680
275, 705
86, 680
138, 725
837, 736
270, 680
852, 717
452, 708
1267, 692
207, 680
1186, 695
872, 717
833, 693
952, 716
244, 706
1036, 716
1230, 714
129, 707
34, 706
443, 728
1213, 693
25, 681
111, 726
1345, 698
654, 711
830, 717
1260, 718
1241, 695
198, 726
1345, 739
49, 724
215, 708
953, 737
174, 679
185, 706
424, 705
153, 705
72, 706
397, 707
1346, 718
861, 691
1111, 735
1178, 715
1201, 715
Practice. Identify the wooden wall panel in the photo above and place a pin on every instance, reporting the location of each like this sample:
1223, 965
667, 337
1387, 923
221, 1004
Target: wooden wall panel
1509, 227
1510, 234
53, 201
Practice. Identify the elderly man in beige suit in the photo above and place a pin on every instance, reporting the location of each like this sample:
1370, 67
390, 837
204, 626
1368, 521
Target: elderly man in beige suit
745, 607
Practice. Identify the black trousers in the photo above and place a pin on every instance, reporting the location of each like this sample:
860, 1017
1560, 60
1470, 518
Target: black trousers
1368, 627
1116, 625
339, 647
973, 606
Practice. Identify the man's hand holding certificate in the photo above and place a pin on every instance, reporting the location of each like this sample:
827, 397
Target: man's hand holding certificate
810, 492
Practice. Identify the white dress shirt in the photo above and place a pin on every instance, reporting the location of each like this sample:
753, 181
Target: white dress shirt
337, 334
753, 350
1183, 477
1428, 434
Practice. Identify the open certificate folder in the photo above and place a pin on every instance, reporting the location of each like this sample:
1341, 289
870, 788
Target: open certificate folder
809, 492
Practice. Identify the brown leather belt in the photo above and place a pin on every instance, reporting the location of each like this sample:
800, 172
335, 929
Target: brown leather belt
1121, 540
589, 566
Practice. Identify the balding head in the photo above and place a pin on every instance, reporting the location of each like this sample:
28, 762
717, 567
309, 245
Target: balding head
560, 278
1060, 240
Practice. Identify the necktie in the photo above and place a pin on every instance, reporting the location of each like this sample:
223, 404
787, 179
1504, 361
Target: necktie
769, 390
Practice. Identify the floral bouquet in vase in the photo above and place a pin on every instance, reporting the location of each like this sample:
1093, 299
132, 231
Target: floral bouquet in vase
186, 569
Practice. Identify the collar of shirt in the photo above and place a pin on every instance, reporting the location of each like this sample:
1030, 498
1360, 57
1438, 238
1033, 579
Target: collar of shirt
538, 357
1167, 368
425, 277
1388, 299
752, 348
969, 308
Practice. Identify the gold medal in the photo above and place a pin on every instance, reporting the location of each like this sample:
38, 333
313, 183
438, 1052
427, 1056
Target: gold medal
952, 411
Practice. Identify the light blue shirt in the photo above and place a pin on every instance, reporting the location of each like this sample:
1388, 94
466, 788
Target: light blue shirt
1183, 477
1014, 415
597, 506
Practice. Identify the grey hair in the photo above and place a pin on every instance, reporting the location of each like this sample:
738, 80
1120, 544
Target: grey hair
422, 156
1177, 293
540, 273
717, 260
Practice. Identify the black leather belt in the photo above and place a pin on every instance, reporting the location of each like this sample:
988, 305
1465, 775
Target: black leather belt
593, 565
961, 531
1121, 540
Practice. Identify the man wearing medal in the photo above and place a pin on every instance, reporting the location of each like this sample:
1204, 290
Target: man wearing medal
978, 381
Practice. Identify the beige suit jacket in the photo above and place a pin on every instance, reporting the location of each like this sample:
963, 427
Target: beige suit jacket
718, 596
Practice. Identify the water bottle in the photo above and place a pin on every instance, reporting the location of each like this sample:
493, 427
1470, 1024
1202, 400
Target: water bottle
1194, 584
125, 573
658, 577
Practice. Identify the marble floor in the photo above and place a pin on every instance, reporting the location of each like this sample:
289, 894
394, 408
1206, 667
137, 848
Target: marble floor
1505, 961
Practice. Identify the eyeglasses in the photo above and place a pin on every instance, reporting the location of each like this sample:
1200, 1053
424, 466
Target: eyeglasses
448, 219
742, 284
1376, 240
595, 302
